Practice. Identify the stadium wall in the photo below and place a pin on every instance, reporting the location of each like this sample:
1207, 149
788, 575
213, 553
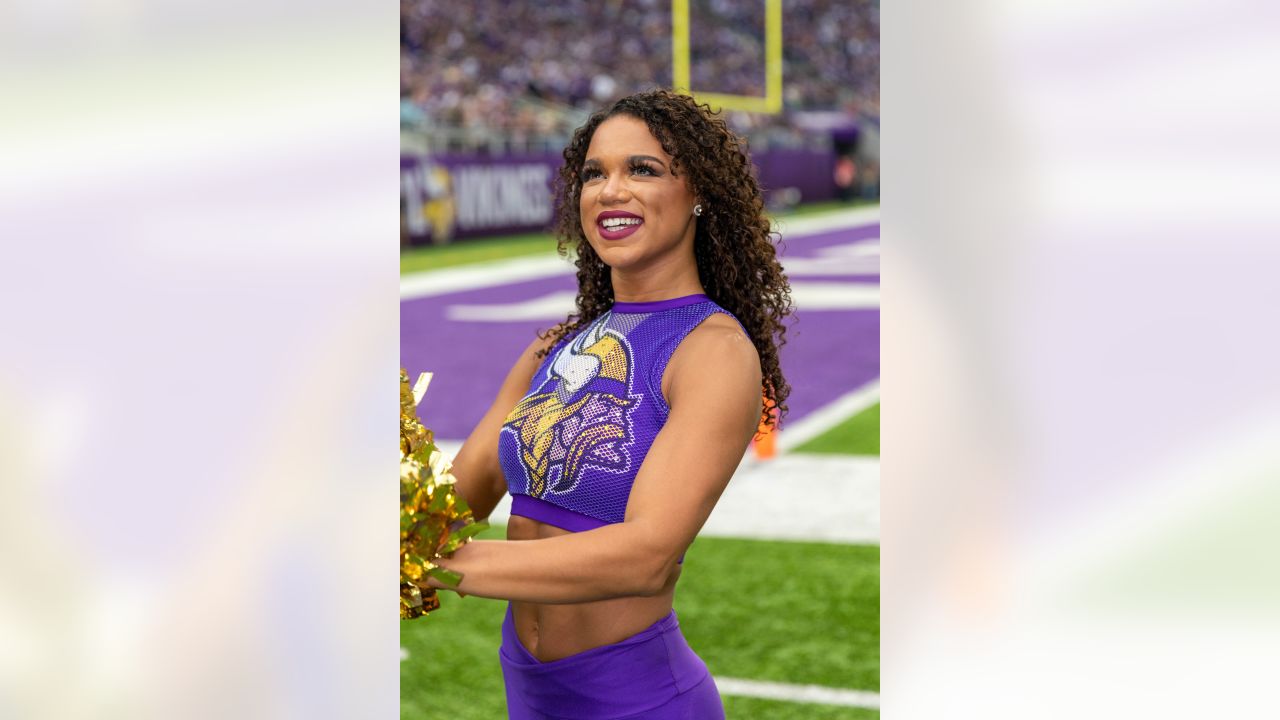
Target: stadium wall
447, 197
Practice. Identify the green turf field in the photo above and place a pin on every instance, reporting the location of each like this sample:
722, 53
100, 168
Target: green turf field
819, 623
819, 208
432, 257
858, 435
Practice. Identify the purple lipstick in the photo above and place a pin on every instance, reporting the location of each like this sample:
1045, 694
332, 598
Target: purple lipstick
616, 224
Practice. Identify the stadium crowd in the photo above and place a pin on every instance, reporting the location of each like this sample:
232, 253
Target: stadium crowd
516, 67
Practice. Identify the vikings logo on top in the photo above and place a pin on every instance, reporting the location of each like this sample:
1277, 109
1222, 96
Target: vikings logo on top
578, 416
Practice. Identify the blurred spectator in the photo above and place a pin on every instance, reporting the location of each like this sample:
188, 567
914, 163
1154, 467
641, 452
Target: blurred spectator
869, 157
845, 173
532, 70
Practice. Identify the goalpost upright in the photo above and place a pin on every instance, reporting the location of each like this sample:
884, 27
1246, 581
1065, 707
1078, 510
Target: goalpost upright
772, 100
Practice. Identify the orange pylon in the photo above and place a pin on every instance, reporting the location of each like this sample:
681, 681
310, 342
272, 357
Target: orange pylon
766, 439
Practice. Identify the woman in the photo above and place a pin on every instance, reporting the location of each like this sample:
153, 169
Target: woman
617, 431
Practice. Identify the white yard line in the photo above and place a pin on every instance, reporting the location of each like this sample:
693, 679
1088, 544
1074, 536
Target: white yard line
813, 224
472, 277
817, 694
816, 498
828, 416
553, 307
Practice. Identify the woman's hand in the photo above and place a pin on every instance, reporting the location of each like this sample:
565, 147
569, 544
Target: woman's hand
428, 582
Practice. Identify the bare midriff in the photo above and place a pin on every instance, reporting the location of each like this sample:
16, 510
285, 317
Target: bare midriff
552, 632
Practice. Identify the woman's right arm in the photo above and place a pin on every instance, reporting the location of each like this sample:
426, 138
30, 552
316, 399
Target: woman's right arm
478, 472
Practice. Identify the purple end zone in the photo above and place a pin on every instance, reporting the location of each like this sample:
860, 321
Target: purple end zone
827, 353
469, 359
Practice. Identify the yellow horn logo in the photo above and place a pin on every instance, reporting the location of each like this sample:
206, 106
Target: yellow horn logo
613, 358
543, 418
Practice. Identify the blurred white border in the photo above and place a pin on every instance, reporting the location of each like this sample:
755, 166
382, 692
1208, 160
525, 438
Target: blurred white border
1080, 402
200, 292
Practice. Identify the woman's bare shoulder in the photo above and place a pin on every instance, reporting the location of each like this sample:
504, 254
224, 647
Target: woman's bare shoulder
717, 345
720, 333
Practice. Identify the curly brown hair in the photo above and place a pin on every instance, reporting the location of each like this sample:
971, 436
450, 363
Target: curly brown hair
733, 244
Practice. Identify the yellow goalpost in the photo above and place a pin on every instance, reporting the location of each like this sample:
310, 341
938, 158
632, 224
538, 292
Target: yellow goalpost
772, 100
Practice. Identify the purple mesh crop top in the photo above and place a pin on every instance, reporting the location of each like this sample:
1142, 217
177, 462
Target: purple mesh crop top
571, 448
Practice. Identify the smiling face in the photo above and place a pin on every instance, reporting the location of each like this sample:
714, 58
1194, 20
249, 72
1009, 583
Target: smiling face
635, 211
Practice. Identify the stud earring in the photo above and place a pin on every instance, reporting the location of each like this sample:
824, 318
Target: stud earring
697, 210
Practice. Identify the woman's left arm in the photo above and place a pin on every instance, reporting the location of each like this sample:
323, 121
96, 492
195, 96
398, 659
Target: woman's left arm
713, 389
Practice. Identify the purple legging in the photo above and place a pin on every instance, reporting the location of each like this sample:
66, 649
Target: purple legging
653, 675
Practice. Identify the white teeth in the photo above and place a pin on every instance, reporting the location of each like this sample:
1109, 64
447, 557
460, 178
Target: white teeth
613, 223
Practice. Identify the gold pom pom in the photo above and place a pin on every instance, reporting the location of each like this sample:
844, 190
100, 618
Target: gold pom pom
434, 520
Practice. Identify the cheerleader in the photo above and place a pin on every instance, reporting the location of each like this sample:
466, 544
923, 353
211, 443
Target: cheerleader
617, 431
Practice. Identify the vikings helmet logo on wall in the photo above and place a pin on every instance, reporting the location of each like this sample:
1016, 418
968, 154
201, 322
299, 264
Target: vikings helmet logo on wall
578, 416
